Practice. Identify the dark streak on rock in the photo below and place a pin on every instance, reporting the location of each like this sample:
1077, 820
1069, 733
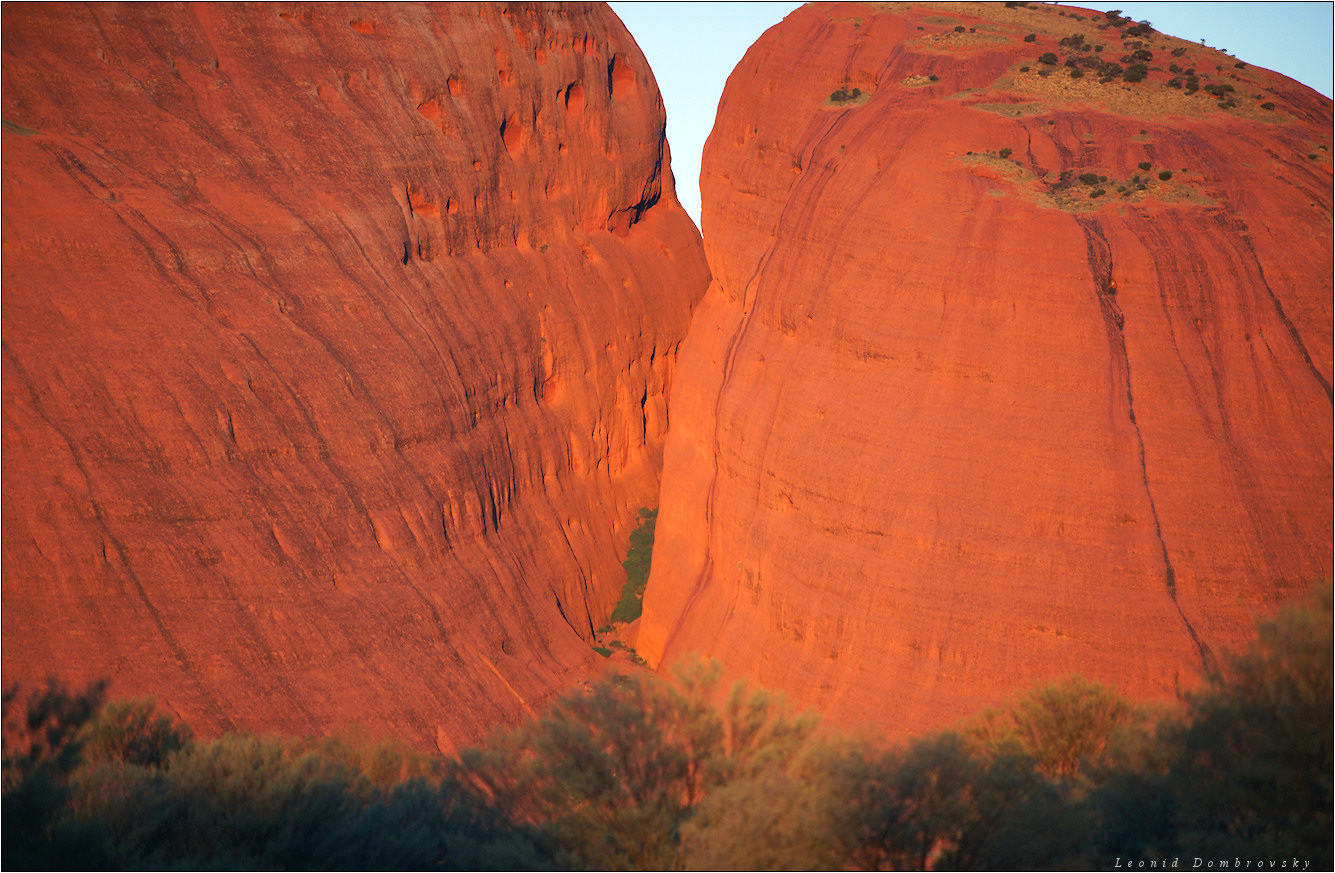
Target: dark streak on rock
1101, 269
173, 644
1284, 319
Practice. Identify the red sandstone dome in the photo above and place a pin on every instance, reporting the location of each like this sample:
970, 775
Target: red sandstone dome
336, 347
1005, 372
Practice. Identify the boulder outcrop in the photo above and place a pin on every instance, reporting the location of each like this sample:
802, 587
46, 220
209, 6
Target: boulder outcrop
336, 348
1012, 365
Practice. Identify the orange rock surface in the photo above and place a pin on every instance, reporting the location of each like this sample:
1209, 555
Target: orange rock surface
336, 348
951, 420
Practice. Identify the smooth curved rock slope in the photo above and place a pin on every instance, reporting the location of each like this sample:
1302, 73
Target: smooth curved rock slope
948, 421
336, 348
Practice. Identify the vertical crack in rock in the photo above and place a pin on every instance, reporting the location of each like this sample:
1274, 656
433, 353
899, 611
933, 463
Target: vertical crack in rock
1209, 402
1284, 319
750, 293
1105, 287
583, 584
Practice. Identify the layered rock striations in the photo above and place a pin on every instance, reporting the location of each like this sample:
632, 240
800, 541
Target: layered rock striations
1005, 371
336, 348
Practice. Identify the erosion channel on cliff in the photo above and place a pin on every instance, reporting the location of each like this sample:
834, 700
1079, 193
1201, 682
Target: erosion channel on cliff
1016, 361
337, 341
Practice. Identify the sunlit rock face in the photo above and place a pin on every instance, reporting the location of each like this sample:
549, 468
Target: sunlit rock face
337, 341
952, 418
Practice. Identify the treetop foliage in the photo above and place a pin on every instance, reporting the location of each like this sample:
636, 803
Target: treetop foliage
637, 771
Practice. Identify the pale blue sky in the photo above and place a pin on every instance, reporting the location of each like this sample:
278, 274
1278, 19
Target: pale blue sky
694, 46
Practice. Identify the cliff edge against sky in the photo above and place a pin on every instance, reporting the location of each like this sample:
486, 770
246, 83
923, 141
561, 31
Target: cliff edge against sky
1011, 366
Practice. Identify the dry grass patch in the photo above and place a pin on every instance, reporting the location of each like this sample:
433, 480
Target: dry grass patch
1069, 193
845, 98
1022, 109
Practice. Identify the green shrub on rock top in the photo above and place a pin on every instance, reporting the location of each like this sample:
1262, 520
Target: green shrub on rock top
1135, 73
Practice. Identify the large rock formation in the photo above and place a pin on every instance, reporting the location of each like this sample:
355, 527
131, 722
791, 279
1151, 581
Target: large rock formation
336, 343
952, 418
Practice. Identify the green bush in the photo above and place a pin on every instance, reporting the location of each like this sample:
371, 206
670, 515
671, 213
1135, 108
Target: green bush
132, 732
120, 787
774, 820
1246, 769
42, 751
1049, 58
1089, 178
636, 771
639, 561
1005, 153
1145, 165
614, 773
245, 801
1135, 73
938, 805
1063, 726
1165, 175
1252, 765
1030, 37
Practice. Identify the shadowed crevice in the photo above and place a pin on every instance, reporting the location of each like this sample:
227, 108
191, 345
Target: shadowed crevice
1105, 285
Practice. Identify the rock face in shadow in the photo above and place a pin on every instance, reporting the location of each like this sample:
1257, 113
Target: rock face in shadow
336, 349
952, 418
